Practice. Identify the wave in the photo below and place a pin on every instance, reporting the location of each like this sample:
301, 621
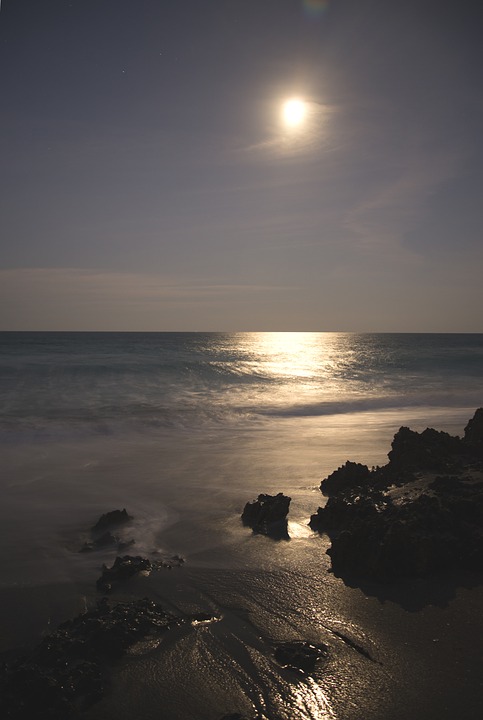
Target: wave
362, 405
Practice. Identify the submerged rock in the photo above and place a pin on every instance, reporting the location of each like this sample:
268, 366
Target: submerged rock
268, 515
300, 656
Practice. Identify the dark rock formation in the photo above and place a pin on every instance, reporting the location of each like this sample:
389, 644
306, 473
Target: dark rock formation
474, 432
405, 519
300, 656
127, 566
66, 673
110, 520
106, 540
268, 515
429, 450
101, 536
350, 475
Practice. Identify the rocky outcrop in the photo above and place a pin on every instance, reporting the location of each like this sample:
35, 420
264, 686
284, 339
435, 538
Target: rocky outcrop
350, 475
63, 676
110, 520
420, 514
101, 537
268, 515
127, 566
430, 450
473, 436
68, 670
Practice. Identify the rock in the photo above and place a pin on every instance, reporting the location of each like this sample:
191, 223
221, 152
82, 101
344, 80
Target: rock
343, 511
101, 536
65, 674
106, 540
128, 566
123, 568
429, 450
268, 515
300, 656
110, 520
68, 671
350, 475
474, 431
380, 532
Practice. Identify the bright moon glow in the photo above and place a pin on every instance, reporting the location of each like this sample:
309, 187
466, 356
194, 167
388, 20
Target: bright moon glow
294, 112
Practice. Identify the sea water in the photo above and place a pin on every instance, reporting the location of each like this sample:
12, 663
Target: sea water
183, 428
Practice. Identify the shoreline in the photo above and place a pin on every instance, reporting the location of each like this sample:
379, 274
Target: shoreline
415, 663
406, 649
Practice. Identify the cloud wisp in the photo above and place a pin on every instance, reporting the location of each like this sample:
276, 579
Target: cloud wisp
47, 298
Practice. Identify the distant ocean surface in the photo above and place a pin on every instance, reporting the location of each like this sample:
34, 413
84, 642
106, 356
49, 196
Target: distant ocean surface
59, 384
183, 429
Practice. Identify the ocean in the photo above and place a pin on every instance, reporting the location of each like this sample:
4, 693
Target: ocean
182, 429
61, 384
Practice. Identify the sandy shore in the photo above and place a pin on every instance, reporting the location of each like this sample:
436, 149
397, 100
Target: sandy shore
408, 649
411, 650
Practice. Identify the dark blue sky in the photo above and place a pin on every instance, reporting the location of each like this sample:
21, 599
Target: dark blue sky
148, 182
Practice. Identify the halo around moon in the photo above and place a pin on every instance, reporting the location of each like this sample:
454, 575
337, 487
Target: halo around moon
294, 112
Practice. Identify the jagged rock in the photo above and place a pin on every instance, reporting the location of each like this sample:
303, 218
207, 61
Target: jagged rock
300, 656
436, 525
342, 511
101, 536
418, 537
348, 476
429, 450
110, 520
127, 566
474, 430
123, 568
268, 515
106, 540
65, 674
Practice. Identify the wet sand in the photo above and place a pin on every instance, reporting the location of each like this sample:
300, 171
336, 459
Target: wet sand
407, 650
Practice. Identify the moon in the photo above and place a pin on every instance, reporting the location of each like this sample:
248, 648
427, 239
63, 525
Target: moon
294, 111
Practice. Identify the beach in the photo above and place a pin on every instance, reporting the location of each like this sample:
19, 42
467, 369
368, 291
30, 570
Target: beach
421, 656
408, 649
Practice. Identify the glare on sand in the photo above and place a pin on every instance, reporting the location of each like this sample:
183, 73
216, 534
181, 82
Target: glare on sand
294, 112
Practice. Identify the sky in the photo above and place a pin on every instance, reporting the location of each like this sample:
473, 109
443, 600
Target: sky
150, 182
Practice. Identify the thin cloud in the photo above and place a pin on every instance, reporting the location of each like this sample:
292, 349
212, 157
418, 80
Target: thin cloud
85, 299
381, 220
93, 285
281, 142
